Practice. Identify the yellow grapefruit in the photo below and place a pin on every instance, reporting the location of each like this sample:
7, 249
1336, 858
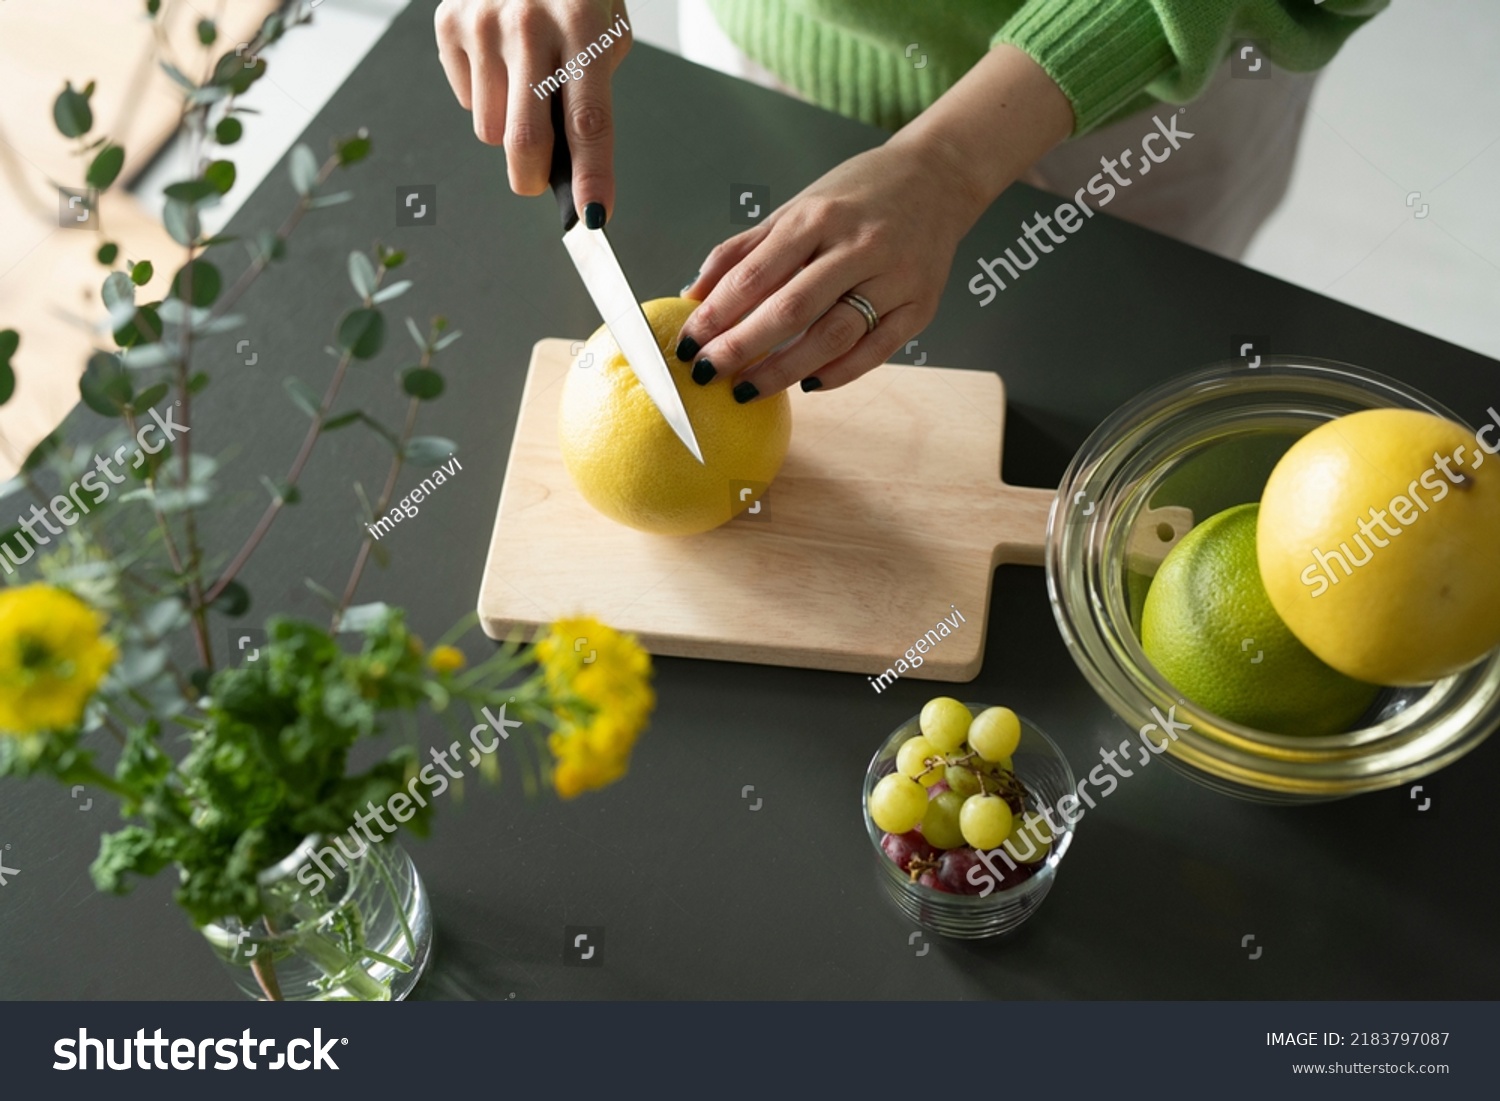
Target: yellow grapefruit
629, 464
1378, 545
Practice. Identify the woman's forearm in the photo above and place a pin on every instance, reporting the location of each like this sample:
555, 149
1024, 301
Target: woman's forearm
991, 126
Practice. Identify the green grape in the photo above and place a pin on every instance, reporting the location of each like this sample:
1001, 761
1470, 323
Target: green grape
945, 722
996, 773
961, 778
1030, 839
898, 803
940, 823
911, 761
985, 821
995, 733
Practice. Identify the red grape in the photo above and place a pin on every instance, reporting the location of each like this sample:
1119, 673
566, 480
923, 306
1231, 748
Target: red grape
930, 879
902, 847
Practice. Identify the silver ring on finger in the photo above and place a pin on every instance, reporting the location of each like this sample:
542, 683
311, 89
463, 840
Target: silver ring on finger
867, 311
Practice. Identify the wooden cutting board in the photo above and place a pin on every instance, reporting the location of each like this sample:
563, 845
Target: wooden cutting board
887, 520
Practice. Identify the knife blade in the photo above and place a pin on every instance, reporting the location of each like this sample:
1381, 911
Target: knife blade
605, 281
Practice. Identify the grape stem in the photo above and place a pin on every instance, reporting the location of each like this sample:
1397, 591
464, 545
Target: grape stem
1007, 785
916, 866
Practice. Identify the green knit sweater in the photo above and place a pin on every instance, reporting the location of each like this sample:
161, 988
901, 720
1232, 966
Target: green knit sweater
864, 58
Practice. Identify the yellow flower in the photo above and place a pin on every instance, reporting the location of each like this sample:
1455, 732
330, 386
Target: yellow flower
600, 680
52, 658
446, 659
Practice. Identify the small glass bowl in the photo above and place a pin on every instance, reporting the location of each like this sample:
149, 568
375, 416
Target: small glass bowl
1172, 457
1043, 769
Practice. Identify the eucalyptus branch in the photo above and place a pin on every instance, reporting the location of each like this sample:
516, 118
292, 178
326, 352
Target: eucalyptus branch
314, 430
261, 262
274, 508
174, 556
397, 461
114, 729
198, 606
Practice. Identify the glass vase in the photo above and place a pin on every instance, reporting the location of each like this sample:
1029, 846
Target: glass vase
332, 927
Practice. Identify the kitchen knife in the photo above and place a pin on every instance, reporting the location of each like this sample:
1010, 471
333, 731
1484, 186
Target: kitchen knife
610, 290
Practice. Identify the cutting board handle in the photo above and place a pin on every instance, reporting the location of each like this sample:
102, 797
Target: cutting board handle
1019, 525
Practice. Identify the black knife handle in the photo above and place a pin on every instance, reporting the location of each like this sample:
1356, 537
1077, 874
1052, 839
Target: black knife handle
561, 178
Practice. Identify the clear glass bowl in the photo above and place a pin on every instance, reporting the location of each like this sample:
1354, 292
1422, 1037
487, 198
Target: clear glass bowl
1176, 455
1044, 771
335, 926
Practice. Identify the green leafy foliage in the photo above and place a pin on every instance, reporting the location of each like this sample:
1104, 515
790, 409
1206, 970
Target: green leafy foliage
421, 450
104, 386
303, 167
234, 601
190, 191
220, 176
10, 340
144, 327
303, 396
105, 167
352, 150
181, 221
228, 131
272, 753
72, 113
362, 333
270, 765
422, 382
236, 71
198, 283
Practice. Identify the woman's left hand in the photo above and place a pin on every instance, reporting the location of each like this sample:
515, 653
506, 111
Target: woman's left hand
883, 225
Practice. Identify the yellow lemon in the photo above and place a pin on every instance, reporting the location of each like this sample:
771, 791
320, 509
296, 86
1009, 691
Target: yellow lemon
1210, 629
629, 464
1379, 541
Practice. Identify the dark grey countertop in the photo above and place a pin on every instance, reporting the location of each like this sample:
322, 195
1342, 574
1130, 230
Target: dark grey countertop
699, 898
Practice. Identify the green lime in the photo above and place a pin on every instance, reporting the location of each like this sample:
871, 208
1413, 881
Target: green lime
1210, 629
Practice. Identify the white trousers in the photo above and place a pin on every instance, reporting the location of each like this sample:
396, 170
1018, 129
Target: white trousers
1214, 191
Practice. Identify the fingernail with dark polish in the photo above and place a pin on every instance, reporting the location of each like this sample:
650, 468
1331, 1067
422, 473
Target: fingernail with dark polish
811, 383
744, 392
687, 348
703, 372
593, 215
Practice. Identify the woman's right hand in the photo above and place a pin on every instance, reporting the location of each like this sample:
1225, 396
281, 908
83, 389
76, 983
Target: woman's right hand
497, 53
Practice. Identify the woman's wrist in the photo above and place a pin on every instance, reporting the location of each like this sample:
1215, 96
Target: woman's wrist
988, 129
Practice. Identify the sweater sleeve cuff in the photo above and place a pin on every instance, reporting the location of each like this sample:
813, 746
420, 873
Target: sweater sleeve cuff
1101, 53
